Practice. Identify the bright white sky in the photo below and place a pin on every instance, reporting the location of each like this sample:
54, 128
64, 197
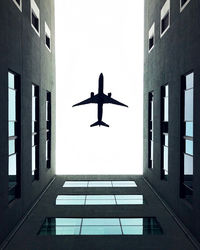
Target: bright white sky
94, 36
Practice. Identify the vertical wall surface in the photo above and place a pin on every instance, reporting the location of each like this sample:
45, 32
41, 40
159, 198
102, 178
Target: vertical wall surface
25, 53
174, 54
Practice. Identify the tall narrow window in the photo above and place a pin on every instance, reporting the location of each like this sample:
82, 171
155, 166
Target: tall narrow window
35, 132
13, 136
165, 18
164, 130
35, 17
187, 136
47, 37
151, 144
48, 129
151, 37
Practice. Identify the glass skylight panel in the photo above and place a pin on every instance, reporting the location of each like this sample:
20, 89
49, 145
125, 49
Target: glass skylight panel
75, 184
99, 184
100, 226
99, 200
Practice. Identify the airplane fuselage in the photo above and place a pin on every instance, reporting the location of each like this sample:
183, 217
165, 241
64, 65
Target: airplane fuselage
100, 103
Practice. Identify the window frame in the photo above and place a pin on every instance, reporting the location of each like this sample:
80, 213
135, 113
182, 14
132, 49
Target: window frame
151, 35
17, 136
163, 13
48, 129
19, 6
186, 191
182, 7
164, 129
36, 12
150, 129
35, 132
47, 35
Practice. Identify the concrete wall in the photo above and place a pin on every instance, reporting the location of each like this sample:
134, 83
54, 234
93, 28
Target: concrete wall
175, 54
24, 52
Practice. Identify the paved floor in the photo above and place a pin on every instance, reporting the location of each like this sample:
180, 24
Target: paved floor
27, 238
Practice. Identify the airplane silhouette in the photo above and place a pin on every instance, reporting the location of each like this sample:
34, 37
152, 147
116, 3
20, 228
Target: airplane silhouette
100, 99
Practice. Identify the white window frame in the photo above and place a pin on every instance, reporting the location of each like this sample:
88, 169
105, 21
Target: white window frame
36, 11
19, 6
185, 4
165, 9
152, 34
48, 34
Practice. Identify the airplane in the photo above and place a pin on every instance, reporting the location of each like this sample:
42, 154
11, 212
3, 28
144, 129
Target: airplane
100, 99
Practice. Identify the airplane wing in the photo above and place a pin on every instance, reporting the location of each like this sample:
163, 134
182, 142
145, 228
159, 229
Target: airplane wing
93, 99
108, 99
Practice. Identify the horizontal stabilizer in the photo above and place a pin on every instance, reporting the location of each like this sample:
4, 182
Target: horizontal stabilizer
99, 123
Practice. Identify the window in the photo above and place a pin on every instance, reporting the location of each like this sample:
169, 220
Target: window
151, 37
99, 200
101, 226
183, 4
35, 132
165, 18
164, 130
35, 17
151, 144
100, 184
47, 37
18, 3
13, 136
48, 129
187, 136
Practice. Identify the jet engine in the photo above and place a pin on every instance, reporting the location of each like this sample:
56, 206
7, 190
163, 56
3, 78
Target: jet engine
109, 94
92, 94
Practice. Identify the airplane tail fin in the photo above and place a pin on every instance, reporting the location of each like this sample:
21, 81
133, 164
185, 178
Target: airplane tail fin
99, 123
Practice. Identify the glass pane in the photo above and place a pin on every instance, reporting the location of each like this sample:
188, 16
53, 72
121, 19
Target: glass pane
11, 147
132, 222
166, 90
166, 139
99, 184
70, 230
12, 105
132, 230
166, 109
33, 158
68, 221
71, 197
33, 108
189, 105
151, 156
100, 222
165, 158
70, 202
11, 80
33, 90
129, 202
100, 202
100, 197
47, 151
188, 165
75, 184
12, 165
189, 147
101, 230
129, 197
124, 184
11, 128
189, 129
190, 81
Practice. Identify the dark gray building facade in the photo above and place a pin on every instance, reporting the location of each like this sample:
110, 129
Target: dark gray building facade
27, 106
171, 105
